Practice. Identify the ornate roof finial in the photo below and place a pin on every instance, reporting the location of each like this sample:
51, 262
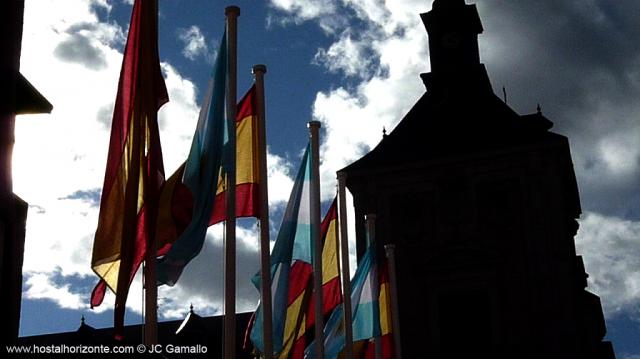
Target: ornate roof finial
384, 132
82, 320
539, 109
191, 308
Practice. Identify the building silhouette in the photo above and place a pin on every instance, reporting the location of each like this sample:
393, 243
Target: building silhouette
481, 204
193, 332
480, 201
17, 97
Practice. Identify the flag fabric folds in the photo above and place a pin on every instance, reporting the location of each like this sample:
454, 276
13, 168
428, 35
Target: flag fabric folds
134, 172
176, 202
366, 348
290, 268
331, 286
201, 173
364, 308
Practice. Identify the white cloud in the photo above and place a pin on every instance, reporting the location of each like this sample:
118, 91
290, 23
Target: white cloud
592, 104
306, 9
39, 286
194, 42
59, 162
611, 250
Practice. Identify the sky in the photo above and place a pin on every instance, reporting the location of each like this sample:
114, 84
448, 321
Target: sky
354, 66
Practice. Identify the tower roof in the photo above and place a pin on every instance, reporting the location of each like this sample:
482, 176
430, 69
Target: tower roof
459, 113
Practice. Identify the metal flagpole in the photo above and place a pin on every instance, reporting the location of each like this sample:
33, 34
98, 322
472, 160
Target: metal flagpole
346, 275
371, 231
231, 13
393, 286
265, 260
150, 271
316, 240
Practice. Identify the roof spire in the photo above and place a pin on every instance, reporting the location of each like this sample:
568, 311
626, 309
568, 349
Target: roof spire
384, 132
191, 308
82, 320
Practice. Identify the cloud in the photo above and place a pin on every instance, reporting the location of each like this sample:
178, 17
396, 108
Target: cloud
578, 59
194, 42
59, 164
611, 250
90, 196
79, 49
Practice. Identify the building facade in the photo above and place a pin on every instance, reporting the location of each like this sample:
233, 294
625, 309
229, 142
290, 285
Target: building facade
482, 206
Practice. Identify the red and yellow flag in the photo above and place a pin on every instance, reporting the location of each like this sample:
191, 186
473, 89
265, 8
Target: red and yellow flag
176, 202
301, 302
134, 173
365, 349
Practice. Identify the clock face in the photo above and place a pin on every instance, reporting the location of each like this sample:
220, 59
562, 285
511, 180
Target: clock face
451, 40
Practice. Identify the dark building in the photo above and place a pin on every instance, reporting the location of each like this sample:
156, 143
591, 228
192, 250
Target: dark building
17, 96
481, 204
193, 337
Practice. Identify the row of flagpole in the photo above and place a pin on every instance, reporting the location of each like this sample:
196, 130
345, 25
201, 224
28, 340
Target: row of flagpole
229, 166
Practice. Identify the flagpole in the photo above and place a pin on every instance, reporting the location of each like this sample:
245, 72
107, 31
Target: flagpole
390, 250
265, 260
371, 230
150, 272
231, 13
346, 275
316, 240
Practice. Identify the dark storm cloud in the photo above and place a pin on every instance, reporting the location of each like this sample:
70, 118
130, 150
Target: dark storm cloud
580, 60
79, 49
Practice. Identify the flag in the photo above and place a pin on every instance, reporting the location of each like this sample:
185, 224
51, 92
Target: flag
248, 175
290, 267
364, 309
134, 172
366, 348
176, 202
201, 173
331, 286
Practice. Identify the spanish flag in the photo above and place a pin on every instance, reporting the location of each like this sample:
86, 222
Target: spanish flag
176, 200
331, 286
297, 323
134, 173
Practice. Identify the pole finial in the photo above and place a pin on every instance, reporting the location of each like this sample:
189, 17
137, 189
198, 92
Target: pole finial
259, 68
191, 308
384, 132
539, 109
232, 11
82, 320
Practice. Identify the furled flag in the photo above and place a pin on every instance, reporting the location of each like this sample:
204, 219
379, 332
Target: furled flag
202, 172
290, 267
176, 202
134, 173
364, 308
